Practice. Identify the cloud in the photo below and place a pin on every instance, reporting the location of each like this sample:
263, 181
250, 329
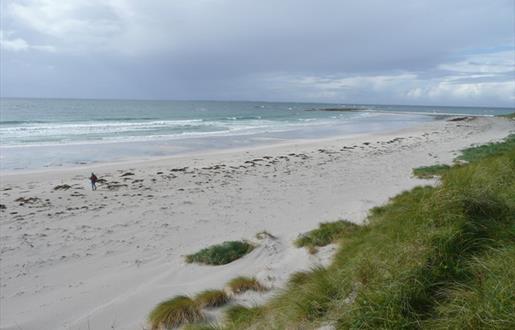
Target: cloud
477, 78
18, 44
357, 51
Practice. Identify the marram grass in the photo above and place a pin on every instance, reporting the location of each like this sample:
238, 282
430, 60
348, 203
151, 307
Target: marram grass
202, 326
174, 312
241, 284
221, 254
240, 315
326, 233
477, 153
427, 172
212, 298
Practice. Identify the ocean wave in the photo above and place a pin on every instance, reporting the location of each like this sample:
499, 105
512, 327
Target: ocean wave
144, 130
20, 122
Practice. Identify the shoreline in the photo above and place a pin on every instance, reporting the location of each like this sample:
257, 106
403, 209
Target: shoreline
221, 152
147, 150
74, 257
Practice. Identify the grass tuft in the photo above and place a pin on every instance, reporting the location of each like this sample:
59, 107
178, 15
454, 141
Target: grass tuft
428, 172
325, 234
221, 254
212, 298
299, 278
241, 284
175, 312
239, 317
202, 326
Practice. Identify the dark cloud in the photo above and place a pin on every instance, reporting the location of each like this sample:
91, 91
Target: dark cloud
218, 49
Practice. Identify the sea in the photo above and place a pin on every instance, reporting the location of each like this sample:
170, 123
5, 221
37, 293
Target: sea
51, 133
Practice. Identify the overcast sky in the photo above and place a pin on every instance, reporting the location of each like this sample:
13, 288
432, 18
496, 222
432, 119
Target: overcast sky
434, 52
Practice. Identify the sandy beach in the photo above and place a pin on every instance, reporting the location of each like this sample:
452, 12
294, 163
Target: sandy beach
72, 258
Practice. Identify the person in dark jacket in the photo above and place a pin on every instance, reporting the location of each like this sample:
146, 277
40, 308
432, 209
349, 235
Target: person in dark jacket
93, 178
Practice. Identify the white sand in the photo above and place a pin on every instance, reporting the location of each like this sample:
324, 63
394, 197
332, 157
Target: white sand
78, 259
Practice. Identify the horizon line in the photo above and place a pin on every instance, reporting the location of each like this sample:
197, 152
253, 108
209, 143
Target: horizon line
250, 101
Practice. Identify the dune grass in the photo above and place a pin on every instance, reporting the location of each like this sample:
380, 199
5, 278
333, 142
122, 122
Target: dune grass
484, 302
325, 234
433, 258
428, 172
202, 326
241, 284
221, 254
509, 115
240, 316
174, 312
477, 153
212, 298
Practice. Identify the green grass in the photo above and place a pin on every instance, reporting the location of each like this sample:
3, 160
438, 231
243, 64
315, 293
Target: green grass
241, 284
239, 315
477, 153
427, 172
509, 115
325, 234
484, 302
174, 312
432, 258
221, 254
212, 298
202, 326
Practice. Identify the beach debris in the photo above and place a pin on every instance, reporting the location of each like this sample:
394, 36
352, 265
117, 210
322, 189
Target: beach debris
466, 118
264, 234
179, 169
115, 185
127, 174
343, 109
62, 187
28, 200
3, 207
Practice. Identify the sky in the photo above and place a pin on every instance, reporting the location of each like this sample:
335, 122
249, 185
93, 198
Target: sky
426, 52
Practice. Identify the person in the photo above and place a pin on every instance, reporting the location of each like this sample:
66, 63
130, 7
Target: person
93, 178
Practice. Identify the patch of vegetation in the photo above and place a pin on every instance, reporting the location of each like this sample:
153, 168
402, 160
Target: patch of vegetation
486, 301
477, 153
221, 254
299, 278
202, 326
239, 317
174, 312
433, 257
212, 298
428, 172
326, 233
509, 115
241, 284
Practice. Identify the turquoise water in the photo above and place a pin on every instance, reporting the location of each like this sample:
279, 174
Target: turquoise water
37, 133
